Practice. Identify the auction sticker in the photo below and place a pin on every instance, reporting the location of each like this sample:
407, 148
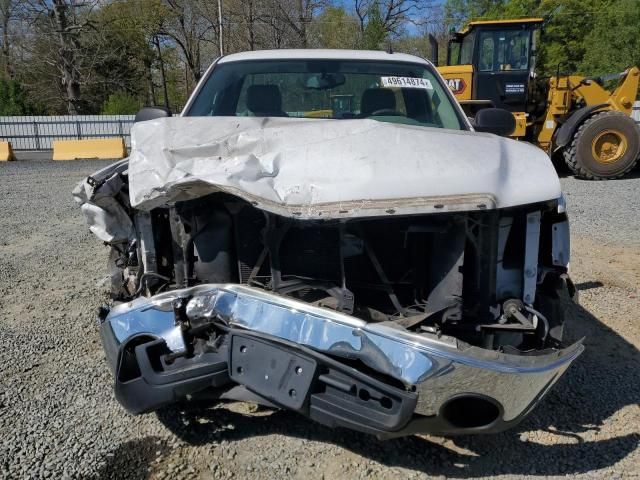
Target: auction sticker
406, 82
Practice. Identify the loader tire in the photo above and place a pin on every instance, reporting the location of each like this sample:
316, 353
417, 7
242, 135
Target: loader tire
605, 146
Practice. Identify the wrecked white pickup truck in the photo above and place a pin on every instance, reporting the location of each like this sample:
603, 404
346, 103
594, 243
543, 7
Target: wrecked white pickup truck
323, 231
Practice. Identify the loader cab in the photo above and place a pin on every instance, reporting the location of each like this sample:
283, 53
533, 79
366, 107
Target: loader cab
491, 63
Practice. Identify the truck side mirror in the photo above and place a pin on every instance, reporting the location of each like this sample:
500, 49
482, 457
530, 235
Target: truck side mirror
495, 120
151, 113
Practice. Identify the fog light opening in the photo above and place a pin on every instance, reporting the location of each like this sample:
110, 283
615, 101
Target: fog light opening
128, 368
470, 411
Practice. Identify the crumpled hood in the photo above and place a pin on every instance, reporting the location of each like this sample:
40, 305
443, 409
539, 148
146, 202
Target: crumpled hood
311, 168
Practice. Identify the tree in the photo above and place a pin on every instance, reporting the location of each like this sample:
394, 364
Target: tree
190, 24
563, 45
57, 52
67, 24
375, 31
335, 28
247, 20
129, 28
121, 103
123, 57
7, 12
393, 14
297, 15
249, 14
13, 98
458, 12
614, 42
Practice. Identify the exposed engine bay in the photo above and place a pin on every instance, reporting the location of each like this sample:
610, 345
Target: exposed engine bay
472, 276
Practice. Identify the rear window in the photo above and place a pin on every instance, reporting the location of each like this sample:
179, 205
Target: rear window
333, 89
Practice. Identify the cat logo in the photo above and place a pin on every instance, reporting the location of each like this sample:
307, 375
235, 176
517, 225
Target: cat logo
456, 85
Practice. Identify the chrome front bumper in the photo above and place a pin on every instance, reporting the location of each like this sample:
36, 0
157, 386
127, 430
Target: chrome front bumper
436, 368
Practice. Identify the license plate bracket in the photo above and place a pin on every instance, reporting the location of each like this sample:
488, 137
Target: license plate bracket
273, 372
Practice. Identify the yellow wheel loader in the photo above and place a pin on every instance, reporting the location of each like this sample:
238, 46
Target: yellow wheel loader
492, 64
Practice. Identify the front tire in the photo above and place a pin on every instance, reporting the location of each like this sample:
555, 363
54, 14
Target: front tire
605, 146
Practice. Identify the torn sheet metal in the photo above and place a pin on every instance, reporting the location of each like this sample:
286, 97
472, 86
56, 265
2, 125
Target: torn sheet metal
313, 168
101, 203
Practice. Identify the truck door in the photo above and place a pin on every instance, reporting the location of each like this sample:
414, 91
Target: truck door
502, 61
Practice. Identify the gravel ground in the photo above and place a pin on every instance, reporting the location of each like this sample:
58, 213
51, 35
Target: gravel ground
606, 211
59, 419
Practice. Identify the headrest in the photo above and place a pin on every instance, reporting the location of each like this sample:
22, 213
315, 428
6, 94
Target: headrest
374, 99
264, 100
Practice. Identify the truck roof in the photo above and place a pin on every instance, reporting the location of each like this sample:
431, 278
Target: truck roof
322, 54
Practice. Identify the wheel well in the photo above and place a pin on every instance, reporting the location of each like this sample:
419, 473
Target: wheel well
565, 133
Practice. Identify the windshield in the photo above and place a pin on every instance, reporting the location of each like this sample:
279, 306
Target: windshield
386, 91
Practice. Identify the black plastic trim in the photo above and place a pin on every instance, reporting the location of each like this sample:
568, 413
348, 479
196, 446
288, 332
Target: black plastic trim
151, 113
272, 371
158, 383
337, 395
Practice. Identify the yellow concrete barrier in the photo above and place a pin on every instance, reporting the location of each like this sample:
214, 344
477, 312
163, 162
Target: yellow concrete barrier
92, 148
6, 152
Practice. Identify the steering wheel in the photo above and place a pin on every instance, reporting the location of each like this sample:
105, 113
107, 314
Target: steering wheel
389, 112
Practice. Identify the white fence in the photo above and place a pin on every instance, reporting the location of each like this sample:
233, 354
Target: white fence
635, 113
39, 132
